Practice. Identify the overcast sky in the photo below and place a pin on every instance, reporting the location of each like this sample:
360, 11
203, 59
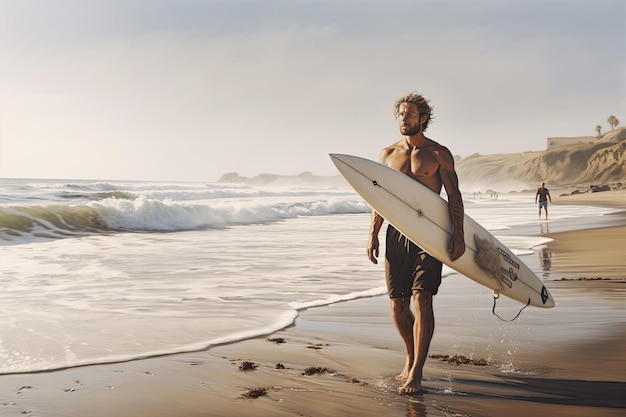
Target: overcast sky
191, 89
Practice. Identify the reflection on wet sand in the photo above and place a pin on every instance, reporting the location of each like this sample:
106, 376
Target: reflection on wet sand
545, 260
416, 406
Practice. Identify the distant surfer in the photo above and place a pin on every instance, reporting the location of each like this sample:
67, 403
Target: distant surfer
543, 195
410, 271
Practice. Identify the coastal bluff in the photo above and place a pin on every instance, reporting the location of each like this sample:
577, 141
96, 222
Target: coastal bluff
591, 162
601, 162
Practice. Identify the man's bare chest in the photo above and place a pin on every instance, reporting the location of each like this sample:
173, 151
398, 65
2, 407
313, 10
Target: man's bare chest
417, 163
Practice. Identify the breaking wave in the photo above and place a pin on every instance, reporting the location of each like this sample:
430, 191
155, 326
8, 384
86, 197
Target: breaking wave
141, 214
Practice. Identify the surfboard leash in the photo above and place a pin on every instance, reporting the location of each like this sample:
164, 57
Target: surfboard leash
496, 295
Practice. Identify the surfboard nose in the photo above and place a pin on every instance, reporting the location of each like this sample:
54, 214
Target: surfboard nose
334, 157
339, 160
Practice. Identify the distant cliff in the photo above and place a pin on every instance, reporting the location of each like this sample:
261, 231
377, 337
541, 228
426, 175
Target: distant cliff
600, 162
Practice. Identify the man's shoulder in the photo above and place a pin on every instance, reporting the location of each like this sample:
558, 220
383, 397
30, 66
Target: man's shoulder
432, 142
435, 146
440, 151
394, 147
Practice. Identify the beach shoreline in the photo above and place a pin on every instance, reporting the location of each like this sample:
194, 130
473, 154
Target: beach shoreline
340, 360
612, 198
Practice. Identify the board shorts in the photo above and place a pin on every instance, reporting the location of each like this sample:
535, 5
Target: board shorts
543, 204
408, 267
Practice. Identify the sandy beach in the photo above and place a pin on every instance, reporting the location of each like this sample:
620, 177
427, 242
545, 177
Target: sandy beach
341, 360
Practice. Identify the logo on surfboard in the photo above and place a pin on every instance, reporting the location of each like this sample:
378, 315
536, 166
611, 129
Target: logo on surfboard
507, 257
508, 276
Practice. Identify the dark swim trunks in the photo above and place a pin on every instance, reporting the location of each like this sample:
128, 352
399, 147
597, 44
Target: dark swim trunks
409, 268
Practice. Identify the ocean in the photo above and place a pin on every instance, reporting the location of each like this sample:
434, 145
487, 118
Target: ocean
95, 272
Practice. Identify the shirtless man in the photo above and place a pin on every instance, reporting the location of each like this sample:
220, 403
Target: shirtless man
411, 272
543, 195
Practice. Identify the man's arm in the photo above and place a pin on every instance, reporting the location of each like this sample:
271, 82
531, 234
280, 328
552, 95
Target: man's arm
450, 181
373, 244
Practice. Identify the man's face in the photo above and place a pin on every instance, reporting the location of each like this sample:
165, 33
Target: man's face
409, 119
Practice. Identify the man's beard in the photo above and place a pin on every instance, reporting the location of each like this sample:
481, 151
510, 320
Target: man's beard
414, 130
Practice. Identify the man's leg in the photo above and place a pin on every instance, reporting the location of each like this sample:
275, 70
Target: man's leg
404, 320
423, 330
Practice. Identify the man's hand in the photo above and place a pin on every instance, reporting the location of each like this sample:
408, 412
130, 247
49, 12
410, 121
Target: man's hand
456, 248
372, 249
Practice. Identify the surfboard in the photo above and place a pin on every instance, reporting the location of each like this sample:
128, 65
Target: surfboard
422, 215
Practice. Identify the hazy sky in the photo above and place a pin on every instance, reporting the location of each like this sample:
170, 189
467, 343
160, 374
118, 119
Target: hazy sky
191, 89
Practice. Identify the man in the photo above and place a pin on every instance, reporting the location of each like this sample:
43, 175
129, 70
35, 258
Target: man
544, 195
411, 272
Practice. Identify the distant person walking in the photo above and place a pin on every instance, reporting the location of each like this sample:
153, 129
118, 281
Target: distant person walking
543, 195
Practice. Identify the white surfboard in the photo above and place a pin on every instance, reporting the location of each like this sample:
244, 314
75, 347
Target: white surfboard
423, 217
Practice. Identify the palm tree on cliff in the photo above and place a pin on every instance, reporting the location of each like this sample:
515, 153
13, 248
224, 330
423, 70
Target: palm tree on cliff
613, 122
598, 129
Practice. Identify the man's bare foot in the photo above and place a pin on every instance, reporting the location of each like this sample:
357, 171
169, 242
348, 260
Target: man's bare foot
410, 388
405, 372
402, 376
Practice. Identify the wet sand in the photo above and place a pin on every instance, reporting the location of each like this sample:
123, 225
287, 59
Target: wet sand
341, 360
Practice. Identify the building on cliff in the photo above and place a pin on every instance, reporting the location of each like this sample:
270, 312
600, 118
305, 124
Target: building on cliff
616, 135
559, 142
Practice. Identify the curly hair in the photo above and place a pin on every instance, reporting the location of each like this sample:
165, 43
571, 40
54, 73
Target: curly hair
422, 103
